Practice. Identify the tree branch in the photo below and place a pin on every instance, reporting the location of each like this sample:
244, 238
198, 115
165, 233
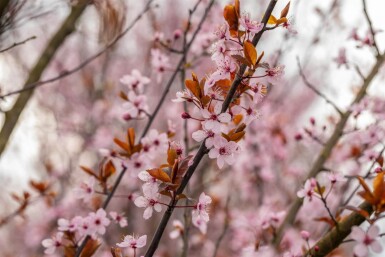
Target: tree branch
327, 150
335, 237
67, 27
315, 90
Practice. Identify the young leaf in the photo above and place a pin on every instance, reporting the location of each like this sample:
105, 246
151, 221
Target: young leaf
160, 175
250, 52
285, 10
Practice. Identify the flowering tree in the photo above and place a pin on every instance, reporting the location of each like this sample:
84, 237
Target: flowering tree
181, 133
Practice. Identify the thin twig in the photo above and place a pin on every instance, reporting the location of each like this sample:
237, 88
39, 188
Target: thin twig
372, 31
315, 90
17, 44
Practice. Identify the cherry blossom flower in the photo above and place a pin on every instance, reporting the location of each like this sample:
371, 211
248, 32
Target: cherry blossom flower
160, 62
201, 135
366, 240
305, 235
200, 223
99, 221
336, 177
66, 225
155, 142
274, 75
341, 58
53, 243
289, 26
178, 229
136, 163
225, 67
218, 51
135, 81
249, 25
149, 180
149, 201
223, 151
85, 226
86, 190
307, 191
133, 242
214, 118
136, 105
200, 209
182, 96
119, 218
222, 32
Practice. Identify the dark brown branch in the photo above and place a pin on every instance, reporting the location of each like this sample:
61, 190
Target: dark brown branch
202, 149
327, 150
372, 31
315, 90
17, 44
67, 27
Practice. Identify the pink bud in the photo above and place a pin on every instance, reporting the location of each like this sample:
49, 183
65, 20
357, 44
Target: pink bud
185, 116
305, 235
378, 170
177, 34
298, 136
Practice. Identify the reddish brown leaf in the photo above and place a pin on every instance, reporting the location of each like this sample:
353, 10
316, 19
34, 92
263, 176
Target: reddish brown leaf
230, 15
285, 10
250, 52
160, 175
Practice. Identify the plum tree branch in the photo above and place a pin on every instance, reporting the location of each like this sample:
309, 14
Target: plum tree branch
17, 44
202, 149
329, 146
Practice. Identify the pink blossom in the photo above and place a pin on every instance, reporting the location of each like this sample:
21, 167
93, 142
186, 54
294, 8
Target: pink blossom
135, 81
155, 142
223, 151
119, 218
160, 62
274, 75
289, 26
307, 191
226, 66
222, 32
200, 209
182, 96
200, 216
178, 229
366, 240
86, 190
99, 221
133, 242
149, 201
136, 163
52, 244
341, 58
136, 105
214, 118
336, 177
218, 51
249, 25
149, 180
66, 225
201, 135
